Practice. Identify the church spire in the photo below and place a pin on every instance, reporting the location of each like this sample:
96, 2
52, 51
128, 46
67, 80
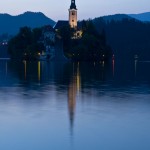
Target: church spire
73, 15
73, 5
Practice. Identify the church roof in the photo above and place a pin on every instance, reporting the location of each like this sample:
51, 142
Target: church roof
61, 23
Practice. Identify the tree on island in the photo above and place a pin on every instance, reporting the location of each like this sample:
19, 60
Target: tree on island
26, 44
128, 37
91, 46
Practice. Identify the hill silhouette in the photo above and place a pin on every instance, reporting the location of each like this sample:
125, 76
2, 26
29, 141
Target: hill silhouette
116, 17
11, 24
142, 16
127, 37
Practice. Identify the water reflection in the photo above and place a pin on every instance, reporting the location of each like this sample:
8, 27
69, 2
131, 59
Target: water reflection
81, 75
72, 92
97, 99
76, 77
39, 70
113, 67
73, 89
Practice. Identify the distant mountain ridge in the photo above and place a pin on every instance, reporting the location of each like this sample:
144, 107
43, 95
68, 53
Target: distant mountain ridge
116, 17
142, 16
11, 24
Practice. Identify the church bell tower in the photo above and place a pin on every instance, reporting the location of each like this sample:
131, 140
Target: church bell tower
73, 15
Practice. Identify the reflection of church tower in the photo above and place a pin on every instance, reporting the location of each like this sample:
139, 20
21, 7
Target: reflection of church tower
72, 91
74, 88
73, 15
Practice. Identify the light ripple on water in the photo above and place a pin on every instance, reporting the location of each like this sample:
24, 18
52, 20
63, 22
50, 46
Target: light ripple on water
74, 108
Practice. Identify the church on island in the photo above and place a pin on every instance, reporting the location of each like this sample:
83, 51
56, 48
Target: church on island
72, 22
67, 40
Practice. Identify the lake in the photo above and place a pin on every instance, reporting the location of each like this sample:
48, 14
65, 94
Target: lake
75, 106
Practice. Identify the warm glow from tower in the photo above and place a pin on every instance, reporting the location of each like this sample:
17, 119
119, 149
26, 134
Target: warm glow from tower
73, 15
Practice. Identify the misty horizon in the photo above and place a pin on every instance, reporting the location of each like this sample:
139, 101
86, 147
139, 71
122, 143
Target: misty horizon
59, 11
38, 12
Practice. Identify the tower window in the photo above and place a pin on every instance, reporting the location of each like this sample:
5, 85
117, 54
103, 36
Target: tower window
73, 13
72, 20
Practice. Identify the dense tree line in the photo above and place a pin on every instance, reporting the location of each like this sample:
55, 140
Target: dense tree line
26, 44
91, 46
127, 37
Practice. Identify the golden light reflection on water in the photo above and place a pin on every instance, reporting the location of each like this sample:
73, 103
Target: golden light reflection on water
73, 88
39, 70
78, 78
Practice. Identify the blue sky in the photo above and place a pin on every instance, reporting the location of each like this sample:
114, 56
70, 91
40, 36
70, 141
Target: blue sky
58, 9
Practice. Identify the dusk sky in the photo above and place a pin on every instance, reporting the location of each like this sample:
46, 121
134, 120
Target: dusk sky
58, 9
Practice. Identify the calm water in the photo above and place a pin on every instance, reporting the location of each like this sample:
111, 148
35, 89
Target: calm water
72, 106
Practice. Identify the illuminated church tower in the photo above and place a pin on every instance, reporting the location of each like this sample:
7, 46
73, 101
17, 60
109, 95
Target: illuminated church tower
73, 15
